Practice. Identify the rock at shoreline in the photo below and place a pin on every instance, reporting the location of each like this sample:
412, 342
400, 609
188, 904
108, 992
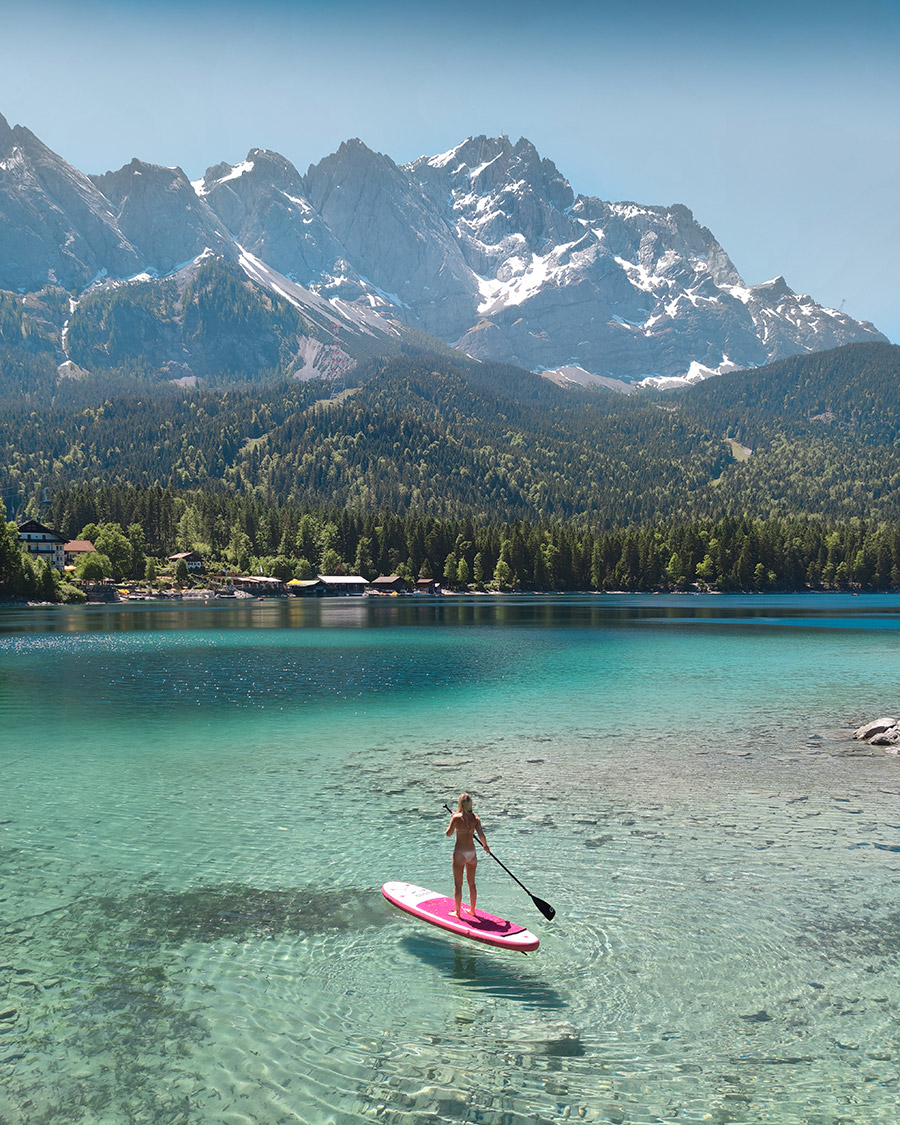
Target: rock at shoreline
886, 738
881, 726
881, 732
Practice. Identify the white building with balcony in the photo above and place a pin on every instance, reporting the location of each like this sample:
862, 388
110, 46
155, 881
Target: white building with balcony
43, 543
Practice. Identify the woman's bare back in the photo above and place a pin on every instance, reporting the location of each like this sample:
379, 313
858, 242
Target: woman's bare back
466, 827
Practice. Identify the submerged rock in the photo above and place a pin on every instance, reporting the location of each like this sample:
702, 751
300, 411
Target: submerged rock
762, 1016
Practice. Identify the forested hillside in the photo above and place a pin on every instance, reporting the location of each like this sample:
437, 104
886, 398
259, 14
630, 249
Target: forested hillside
451, 438
209, 322
476, 474
851, 392
218, 325
823, 429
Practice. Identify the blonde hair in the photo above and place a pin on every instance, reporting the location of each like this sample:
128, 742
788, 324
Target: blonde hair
465, 803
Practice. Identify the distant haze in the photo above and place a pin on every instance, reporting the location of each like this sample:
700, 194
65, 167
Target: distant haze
777, 125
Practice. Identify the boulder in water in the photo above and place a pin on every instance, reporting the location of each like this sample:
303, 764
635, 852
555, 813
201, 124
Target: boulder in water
878, 726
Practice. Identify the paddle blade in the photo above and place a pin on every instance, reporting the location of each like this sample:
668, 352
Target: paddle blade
545, 908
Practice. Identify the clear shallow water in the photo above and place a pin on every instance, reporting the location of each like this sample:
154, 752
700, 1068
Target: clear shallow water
199, 806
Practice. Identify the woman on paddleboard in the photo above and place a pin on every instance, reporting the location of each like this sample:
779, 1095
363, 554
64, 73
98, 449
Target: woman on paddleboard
466, 825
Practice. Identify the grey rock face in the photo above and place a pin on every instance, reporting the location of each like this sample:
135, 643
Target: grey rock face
160, 214
55, 226
620, 289
394, 237
262, 204
886, 738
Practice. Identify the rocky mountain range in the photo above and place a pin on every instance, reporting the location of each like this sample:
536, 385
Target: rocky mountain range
485, 248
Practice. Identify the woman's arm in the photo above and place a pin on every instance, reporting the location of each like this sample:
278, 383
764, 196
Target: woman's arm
451, 827
481, 835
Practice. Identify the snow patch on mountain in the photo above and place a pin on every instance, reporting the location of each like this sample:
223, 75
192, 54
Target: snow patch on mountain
570, 375
696, 373
238, 170
444, 158
203, 186
322, 311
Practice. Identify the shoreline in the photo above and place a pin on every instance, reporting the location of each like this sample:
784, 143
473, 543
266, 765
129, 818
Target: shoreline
197, 598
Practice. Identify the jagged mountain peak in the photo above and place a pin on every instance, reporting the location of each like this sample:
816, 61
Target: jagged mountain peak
214, 173
470, 153
159, 213
260, 163
476, 150
139, 176
22, 137
352, 155
7, 137
354, 144
773, 289
353, 168
393, 237
271, 162
56, 227
486, 163
263, 204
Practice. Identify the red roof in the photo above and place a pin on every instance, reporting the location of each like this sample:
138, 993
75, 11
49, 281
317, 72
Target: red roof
78, 546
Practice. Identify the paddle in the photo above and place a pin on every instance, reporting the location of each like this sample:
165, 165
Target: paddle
545, 908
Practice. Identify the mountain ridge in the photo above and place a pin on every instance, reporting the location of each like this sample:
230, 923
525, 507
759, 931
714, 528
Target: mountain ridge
485, 247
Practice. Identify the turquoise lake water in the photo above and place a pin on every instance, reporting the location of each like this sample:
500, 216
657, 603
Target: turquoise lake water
199, 805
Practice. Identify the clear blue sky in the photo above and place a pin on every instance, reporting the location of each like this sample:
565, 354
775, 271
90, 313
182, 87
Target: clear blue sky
778, 124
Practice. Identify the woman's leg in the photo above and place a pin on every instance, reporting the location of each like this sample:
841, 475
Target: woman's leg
473, 893
457, 883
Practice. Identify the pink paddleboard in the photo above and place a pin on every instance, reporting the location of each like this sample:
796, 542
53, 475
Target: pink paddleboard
435, 908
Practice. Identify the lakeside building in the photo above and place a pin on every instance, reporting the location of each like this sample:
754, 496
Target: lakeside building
325, 585
344, 585
75, 548
260, 585
306, 587
43, 543
192, 559
389, 584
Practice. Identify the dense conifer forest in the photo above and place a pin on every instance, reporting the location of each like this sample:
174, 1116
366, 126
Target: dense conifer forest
786, 477
135, 529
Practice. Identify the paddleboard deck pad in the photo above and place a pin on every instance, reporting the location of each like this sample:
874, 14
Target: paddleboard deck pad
436, 909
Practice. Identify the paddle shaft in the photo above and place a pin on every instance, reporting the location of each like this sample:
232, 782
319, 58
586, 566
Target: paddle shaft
545, 908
